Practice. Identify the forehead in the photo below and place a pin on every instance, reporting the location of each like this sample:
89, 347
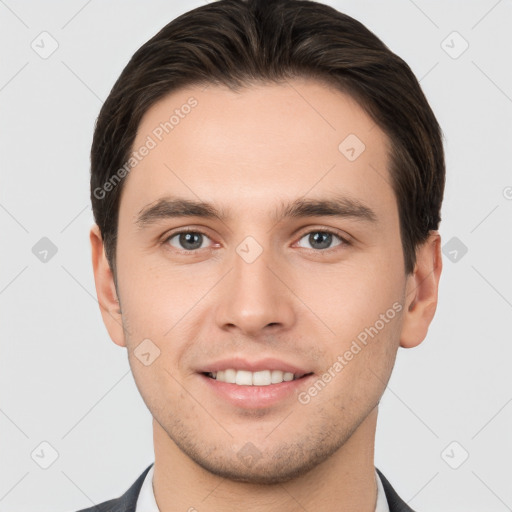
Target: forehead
281, 141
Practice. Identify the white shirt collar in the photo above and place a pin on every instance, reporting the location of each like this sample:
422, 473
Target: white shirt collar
382, 502
146, 501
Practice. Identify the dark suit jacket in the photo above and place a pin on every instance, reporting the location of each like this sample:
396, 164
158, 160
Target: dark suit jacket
128, 501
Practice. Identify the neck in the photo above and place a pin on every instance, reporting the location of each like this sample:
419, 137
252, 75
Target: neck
345, 481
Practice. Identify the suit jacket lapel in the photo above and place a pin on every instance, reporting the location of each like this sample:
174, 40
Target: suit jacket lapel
396, 504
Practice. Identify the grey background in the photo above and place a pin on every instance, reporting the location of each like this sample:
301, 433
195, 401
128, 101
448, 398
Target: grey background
65, 383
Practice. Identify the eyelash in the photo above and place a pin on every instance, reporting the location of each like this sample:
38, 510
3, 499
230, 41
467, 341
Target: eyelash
344, 241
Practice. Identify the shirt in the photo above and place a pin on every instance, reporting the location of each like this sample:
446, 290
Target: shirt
146, 501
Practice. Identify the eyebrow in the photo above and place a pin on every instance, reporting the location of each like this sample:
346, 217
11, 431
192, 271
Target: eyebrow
174, 207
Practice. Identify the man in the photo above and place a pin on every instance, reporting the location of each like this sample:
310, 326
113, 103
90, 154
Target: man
267, 179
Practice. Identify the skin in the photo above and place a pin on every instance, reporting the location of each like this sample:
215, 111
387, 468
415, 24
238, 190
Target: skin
248, 152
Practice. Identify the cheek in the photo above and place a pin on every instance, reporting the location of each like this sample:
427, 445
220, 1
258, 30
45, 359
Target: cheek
153, 297
155, 386
351, 296
362, 307
160, 309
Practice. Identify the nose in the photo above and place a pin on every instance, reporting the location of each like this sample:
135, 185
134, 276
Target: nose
256, 298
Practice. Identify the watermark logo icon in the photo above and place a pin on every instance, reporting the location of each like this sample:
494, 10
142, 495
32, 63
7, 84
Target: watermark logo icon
455, 455
44, 455
44, 250
249, 454
454, 45
44, 45
454, 249
147, 352
351, 147
249, 249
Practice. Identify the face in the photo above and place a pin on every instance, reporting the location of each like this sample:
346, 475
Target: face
291, 264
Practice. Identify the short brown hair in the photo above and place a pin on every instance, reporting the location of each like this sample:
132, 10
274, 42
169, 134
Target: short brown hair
240, 42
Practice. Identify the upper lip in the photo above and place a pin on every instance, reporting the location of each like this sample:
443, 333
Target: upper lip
268, 363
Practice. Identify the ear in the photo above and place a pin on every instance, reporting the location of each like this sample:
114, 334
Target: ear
105, 289
421, 292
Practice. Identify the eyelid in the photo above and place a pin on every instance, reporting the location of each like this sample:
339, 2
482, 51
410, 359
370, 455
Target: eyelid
345, 240
188, 229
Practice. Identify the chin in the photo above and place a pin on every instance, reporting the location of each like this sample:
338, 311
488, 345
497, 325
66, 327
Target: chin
280, 465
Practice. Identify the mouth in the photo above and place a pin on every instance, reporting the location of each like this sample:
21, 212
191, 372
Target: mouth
256, 378
265, 383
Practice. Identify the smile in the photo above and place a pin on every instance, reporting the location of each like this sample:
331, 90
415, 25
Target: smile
258, 378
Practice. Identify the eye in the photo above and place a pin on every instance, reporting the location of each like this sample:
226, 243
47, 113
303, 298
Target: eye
187, 240
323, 239
190, 241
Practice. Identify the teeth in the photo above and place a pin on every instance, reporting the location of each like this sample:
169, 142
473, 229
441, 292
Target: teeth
230, 376
247, 378
243, 378
277, 376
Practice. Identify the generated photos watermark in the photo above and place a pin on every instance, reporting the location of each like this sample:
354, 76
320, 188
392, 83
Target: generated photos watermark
151, 142
343, 360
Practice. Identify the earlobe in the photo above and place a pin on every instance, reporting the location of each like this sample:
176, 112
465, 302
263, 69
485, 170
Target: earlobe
422, 292
105, 289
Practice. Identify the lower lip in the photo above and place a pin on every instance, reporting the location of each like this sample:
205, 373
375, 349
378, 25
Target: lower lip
255, 397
